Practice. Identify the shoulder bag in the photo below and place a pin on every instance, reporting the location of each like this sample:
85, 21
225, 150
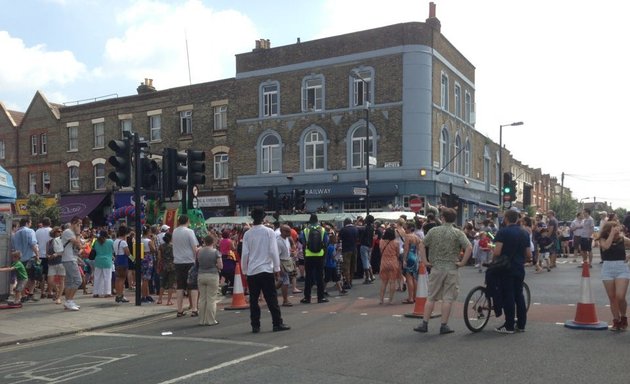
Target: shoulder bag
501, 263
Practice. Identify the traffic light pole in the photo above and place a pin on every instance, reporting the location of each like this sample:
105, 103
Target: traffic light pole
138, 224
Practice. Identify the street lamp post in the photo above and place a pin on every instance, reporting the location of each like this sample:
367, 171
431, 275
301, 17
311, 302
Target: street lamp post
501, 158
366, 148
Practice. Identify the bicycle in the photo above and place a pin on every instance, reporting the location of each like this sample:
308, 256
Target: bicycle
478, 307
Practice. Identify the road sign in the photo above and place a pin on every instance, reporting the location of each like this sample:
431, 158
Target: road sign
372, 161
415, 204
358, 191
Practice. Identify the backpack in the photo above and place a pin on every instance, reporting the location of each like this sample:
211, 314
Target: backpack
314, 242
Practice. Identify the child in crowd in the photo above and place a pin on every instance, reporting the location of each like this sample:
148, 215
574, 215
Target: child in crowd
544, 243
21, 276
330, 265
484, 250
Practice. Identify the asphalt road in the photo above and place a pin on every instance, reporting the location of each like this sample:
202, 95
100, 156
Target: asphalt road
352, 339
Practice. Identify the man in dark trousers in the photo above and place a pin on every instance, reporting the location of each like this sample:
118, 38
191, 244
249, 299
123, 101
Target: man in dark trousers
261, 263
349, 236
512, 240
315, 241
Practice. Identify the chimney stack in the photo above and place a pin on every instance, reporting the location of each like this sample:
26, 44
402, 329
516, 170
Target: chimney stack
433, 21
146, 87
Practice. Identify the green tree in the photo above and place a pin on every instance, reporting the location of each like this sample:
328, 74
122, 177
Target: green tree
567, 210
621, 213
37, 210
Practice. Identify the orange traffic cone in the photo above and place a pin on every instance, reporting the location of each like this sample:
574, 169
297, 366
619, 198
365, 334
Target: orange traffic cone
238, 295
586, 314
422, 292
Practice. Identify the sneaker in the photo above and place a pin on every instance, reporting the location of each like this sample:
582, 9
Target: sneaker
503, 330
322, 300
422, 328
444, 329
305, 301
70, 306
623, 324
280, 328
149, 299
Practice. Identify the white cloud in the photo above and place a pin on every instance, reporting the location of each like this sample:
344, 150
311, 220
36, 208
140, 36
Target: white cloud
35, 67
154, 43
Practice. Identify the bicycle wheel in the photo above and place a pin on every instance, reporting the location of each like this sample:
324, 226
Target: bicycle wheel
528, 296
476, 309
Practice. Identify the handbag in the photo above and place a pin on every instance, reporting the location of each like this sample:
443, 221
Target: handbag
288, 265
501, 263
92, 255
193, 274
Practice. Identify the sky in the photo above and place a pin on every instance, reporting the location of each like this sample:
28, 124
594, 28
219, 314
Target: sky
557, 66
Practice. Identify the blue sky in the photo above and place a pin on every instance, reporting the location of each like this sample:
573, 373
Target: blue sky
559, 66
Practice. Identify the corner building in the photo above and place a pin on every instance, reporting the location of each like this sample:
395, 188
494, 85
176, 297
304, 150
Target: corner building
302, 117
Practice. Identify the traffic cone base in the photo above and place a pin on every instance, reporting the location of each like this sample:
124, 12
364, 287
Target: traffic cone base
422, 292
238, 294
586, 313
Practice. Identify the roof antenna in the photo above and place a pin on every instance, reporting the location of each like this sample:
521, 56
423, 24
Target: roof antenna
187, 57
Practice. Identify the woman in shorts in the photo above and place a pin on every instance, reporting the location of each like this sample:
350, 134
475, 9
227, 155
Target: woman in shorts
615, 272
121, 263
56, 270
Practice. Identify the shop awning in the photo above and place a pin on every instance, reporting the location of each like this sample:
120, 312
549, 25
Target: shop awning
79, 205
7, 188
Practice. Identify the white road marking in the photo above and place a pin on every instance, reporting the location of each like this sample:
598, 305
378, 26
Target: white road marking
179, 338
222, 365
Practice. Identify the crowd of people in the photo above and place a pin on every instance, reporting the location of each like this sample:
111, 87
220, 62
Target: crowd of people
277, 256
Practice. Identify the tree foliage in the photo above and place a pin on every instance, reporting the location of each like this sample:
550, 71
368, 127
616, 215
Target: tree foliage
567, 210
37, 210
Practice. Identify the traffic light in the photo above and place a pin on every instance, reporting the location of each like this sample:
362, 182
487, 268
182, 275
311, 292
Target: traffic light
507, 184
300, 200
174, 171
121, 162
149, 174
271, 200
196, 161
513, 190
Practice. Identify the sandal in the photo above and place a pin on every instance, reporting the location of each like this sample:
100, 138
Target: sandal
194, 314
180, 314
287, 304
407, 301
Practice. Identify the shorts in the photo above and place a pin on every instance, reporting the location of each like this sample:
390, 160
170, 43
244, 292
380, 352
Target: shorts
19, 287
576, 242
181, 272
121, 261
615, 269
168, 279
56, 270
284, 278
73, 275
330, 274
544, 255
585, 244
443, 285
147, 267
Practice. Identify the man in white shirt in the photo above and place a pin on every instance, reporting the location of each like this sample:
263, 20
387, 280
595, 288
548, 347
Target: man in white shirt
185, 245
588, 227
71, 241
260, 261
576, 228
43, 236
284, 252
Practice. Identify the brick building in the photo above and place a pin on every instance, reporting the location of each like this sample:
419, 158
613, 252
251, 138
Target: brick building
293, 117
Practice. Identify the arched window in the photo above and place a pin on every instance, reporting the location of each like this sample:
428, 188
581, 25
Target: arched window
221, 166
99, 176
314, 157
459, 161
444, 148
467, 158
486, 167
73, 178
271, 159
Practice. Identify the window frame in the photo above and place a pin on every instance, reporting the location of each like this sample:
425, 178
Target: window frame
467, 151
467, 106
366, 84
459, 162
153, 128
221, 166
270, 99
458, 100
98, 130
34, 145
46, 181
43, 144
3, 149
444, 91
74, 183
268, 153
185, 122
317, 91
220, 117
355, 138
311, 148
444, 147
123, 123
32, 183
99, 179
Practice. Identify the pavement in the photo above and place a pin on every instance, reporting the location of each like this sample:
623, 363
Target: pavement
45, 319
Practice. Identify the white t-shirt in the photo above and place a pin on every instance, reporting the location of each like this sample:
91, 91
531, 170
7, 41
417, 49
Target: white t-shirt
184, 245
69, 254
42, 235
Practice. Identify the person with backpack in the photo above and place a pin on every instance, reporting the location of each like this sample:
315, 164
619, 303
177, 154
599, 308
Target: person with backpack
315, 240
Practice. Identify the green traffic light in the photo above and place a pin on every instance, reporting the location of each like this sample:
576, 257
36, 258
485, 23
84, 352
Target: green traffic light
507, 190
